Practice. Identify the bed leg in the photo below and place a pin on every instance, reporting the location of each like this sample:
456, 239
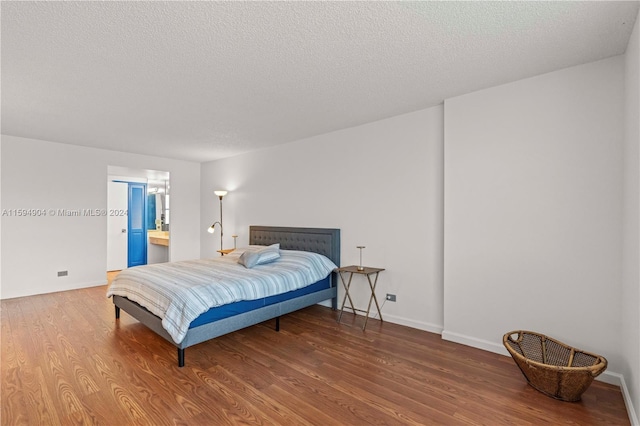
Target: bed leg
180, 357
117, 312
334, 283
277, 323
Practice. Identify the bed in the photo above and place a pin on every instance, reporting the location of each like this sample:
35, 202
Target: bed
235, 316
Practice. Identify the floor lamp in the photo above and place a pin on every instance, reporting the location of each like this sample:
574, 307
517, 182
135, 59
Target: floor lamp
212, 228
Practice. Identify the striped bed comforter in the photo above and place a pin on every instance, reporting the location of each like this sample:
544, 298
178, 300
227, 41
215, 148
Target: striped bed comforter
178, 292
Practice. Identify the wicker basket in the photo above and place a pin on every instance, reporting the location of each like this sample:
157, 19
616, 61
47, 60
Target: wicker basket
553, 368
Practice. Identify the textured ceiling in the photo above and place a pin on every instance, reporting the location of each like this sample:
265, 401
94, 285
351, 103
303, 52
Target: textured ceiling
206, 80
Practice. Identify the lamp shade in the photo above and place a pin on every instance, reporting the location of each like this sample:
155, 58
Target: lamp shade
220, 193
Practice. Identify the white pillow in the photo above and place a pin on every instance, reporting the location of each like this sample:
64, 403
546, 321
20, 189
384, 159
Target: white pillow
251, 257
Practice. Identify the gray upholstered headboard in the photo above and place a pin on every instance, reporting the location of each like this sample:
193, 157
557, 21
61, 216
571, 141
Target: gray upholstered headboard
325, 241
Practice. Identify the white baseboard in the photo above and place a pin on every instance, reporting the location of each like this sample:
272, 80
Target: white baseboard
420, 325
31, 292
631, 410
611, 378
474, 342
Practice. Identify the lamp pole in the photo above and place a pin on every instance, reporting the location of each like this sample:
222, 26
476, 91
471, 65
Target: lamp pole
221, 227
360, 267
221, 194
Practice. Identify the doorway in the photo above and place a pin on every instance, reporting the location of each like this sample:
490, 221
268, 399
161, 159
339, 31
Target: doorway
141, 235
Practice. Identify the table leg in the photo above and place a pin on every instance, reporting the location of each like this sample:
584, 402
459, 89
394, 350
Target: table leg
346, 295
373, 297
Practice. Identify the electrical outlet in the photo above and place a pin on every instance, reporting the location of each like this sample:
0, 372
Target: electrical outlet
63, 273
391, 297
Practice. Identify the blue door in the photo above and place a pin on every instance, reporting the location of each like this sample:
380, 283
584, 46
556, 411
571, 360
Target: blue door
137, 242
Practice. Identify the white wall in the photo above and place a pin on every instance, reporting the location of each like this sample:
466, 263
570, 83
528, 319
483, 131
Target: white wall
157, 253
533, 203
630, 367
380, 183
46, 175
1, 207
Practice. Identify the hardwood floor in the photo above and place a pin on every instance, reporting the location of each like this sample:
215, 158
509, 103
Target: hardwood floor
111, 275
66, 360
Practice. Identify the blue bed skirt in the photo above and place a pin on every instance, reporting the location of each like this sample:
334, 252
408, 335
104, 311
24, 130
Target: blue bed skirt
226, 311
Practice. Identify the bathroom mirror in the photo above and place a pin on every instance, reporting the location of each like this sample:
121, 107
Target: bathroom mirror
158, 209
